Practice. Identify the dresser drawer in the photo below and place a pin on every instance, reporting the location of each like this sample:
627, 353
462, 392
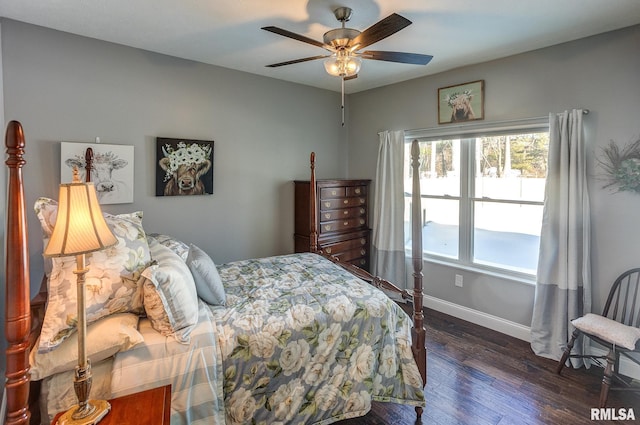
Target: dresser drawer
332, 192
333, 204
353, 191
348, 245
345, 224
341, 214
351, 254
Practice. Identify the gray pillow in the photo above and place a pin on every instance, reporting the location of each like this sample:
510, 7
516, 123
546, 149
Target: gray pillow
208, 283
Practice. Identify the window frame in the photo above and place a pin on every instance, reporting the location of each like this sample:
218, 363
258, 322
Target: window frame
467, 198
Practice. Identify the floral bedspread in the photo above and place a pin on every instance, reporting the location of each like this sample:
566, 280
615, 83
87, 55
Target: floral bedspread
305, 342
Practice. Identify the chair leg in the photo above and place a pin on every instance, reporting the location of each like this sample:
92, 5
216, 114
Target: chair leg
606, 379
418, 412
567, 351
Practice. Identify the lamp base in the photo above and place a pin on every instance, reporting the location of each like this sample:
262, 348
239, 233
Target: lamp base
98, 409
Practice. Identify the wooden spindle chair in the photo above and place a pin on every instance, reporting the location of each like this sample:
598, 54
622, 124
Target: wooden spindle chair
618, 325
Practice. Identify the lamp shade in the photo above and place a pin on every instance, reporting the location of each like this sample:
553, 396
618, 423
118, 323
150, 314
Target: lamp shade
80, 226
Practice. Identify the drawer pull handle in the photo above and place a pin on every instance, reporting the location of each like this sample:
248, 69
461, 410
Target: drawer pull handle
334, 192
327, 227
327, 204
363, 251
327, 250
327, 216
363, 241
358, 191
362, 200
345, 212
362, 210
346, 201
346, 223
363, 262
361, 221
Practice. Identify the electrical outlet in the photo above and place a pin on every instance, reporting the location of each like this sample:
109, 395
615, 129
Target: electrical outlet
458, 281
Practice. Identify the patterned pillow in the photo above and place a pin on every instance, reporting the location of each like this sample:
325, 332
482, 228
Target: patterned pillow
46, 210
175, 245
170, 297
111, 282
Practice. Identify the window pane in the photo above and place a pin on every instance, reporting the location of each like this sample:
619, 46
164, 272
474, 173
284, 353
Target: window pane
507, 235
512, 167
440, 231
439, 168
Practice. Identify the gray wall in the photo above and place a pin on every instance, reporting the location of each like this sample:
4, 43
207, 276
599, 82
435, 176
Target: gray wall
600, 73
68, 88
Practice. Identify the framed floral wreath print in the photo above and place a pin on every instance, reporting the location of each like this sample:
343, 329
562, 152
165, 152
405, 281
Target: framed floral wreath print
184, 167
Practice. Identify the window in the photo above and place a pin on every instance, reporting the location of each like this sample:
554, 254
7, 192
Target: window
482, 192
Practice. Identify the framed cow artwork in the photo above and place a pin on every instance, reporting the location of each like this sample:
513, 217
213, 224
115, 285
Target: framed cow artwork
111, 170
460, 103
184, 167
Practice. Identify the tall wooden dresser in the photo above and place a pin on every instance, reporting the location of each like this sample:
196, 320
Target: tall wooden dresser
343, 219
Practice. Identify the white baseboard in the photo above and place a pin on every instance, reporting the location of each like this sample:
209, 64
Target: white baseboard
495, 323
507, 327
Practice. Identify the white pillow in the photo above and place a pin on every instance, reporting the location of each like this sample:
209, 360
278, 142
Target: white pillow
170, 298
105, 337
609, 330
205, 274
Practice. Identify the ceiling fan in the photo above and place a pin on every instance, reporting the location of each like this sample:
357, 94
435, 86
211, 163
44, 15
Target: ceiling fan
345, 45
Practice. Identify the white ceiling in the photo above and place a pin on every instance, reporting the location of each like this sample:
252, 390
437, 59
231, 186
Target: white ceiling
228, 34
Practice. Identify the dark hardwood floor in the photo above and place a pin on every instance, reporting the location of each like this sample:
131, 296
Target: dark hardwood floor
477, 376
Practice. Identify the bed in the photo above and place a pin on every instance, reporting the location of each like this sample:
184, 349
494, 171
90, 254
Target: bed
299, 338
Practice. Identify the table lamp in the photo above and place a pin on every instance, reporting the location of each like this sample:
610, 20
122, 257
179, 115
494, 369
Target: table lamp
80, 229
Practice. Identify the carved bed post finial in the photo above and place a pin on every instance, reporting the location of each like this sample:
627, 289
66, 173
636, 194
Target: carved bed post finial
419, 332
88, 162
17, 291
313, 215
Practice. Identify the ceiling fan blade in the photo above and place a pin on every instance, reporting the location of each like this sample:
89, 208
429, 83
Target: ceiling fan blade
401, 57
293, 35
382, 29
310, 58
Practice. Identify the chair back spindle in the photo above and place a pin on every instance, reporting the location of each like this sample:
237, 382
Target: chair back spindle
623, 303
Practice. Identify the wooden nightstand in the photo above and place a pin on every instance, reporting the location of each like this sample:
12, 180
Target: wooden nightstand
151, 407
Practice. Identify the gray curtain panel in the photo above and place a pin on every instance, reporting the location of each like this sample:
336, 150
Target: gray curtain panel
388, 259
563, 289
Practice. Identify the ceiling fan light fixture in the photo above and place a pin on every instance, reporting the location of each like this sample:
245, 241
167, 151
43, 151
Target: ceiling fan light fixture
342, 64
339, 37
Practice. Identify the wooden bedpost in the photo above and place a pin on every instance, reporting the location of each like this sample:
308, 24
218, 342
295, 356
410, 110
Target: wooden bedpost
88, 161
418, 332
313, 214
17, 290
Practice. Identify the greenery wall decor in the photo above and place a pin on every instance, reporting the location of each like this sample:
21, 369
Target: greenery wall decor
622, 166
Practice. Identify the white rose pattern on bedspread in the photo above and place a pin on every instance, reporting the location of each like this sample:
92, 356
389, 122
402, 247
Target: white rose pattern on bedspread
305, 342
300, 341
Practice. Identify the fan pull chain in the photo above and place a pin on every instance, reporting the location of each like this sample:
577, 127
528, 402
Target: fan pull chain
342, 104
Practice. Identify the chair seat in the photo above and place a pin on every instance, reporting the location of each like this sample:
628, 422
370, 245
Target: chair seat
608, 330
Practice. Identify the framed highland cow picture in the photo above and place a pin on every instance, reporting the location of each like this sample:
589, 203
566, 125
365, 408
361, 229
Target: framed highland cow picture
111, 169
461, 103
184, 167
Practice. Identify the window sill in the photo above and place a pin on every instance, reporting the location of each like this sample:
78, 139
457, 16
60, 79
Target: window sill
487, 271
